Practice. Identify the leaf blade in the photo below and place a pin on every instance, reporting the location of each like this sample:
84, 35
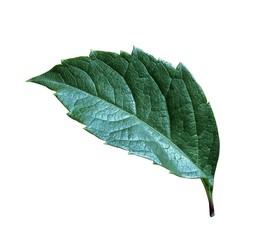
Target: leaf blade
143, 105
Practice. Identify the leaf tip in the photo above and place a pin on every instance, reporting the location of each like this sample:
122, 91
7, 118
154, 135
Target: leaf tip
32, 80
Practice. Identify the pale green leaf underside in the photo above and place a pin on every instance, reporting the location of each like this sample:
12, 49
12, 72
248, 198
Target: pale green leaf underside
141, 104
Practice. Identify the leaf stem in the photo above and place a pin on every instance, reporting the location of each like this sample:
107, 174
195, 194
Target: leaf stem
209, 190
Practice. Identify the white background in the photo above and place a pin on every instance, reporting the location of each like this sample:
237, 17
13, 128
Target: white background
59, 182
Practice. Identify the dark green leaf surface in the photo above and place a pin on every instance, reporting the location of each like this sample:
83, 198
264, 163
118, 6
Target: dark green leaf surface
143, 105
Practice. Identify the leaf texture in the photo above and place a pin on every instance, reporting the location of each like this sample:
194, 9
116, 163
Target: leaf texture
143, 105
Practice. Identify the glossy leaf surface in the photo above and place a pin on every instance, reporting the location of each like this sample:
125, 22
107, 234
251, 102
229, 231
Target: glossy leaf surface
143, 105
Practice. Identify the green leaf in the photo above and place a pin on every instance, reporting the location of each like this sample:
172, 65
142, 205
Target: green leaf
143, 105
